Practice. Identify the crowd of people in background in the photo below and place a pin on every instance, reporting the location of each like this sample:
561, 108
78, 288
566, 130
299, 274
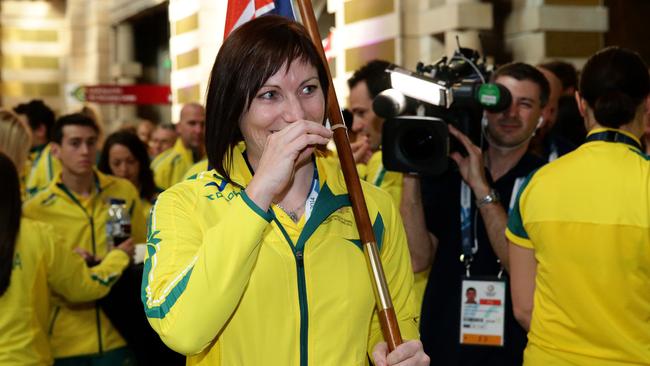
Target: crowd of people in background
554, 203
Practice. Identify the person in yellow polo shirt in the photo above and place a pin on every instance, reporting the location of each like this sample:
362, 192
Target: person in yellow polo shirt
76, 204
580, 230
33, 266
258, 261
43, 166
170, 166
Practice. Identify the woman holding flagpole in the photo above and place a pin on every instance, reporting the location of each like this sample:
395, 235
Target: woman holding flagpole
258, 261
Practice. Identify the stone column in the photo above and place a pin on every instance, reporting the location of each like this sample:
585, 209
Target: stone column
431, 27
541, 30
124, 70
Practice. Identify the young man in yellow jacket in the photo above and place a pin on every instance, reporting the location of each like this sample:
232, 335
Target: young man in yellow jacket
170, 166
76, 204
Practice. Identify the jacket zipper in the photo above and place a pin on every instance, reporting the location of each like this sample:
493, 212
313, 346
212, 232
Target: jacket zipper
302, 299
298, 254
92, 237
97, 310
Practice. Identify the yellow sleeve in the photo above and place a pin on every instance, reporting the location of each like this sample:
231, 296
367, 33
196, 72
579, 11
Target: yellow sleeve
162, 173
179, 168
69, 276
396, 261
138, 219
392, 183
194, 277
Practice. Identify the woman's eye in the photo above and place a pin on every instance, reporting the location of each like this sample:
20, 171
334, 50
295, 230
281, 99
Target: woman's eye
309, 89
267, 95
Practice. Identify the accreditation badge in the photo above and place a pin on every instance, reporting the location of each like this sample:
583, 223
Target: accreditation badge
482, 311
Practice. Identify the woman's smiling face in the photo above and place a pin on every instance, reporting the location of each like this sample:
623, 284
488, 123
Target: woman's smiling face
290, 95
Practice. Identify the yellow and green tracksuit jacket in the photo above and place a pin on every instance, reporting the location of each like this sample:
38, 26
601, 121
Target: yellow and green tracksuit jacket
41, 267
83, 329
197, 168
375, 173
229, 284
170, 166
44, 168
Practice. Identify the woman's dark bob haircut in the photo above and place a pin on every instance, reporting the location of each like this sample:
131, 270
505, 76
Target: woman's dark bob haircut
614, 82
248, 57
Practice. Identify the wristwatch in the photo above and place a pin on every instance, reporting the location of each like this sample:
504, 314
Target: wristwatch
491, 197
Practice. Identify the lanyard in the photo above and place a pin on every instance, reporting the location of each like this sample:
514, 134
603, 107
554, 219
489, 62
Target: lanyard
313, 194
469, 239
613, 136
553, 154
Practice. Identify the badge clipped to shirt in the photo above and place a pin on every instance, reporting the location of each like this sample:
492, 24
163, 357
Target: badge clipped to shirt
482, 311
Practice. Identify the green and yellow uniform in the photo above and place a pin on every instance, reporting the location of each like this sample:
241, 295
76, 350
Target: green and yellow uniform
44, 168
376, 174
171, 165
197, 168
83, 329
41, 267
230, 284
587, 218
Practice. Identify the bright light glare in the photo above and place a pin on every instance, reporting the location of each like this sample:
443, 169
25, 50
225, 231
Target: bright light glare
418, 88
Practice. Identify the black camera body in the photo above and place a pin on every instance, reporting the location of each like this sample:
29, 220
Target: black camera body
420, 105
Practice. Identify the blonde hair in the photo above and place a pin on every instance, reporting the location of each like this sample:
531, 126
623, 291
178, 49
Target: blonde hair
15, 138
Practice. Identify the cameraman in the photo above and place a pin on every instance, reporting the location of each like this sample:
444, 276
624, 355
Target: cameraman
432, 218
366, 82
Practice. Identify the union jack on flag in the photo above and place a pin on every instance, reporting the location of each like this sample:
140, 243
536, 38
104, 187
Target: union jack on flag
241, 11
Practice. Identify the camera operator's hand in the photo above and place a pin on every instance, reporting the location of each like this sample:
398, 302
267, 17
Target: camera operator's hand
471, 166
361, 150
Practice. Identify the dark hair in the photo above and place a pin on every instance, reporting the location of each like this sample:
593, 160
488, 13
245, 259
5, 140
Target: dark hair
10, 211
249, 56
522, 71
75, 119
614, 82
167, 126
38, 113
564, 71
374, 74
139, 150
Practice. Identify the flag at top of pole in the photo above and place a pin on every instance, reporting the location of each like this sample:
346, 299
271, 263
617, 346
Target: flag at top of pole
241, 11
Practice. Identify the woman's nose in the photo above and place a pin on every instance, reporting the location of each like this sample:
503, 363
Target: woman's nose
293, 110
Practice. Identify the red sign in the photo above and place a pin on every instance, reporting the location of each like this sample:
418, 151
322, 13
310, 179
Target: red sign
490, 302
124, 94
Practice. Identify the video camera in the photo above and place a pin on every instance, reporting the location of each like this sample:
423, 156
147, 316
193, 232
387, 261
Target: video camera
419, 106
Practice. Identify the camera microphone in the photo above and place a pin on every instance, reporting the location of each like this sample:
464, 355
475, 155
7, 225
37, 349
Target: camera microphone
390, 103
492, 97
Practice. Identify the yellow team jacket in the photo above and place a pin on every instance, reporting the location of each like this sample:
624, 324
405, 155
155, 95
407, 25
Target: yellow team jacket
41, 268
230, 284
83, 329
389, 181
170, 166
44, 167
197, 168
